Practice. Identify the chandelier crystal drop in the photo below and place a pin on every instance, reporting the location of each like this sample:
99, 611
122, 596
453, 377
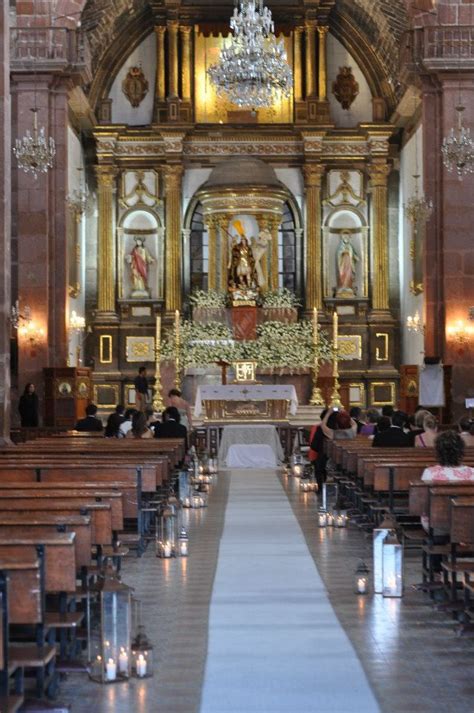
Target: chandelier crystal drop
34, 152
252, 70
458, 148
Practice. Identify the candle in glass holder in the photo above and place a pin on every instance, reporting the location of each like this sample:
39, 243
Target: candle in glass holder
111, 670
141, 666
167, 549
123, 661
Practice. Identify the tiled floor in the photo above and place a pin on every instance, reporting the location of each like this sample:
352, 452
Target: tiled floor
412, 658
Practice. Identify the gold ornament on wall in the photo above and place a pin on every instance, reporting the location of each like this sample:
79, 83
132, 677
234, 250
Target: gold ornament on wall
345, 88
135, 86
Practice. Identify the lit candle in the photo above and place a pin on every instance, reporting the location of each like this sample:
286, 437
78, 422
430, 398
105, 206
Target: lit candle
158, 329
123, 661
183, 548
361, 585
322, 519
111, 670
315, 326
176, 323
167, 549
141, 666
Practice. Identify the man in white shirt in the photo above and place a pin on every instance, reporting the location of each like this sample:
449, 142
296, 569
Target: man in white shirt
127, 424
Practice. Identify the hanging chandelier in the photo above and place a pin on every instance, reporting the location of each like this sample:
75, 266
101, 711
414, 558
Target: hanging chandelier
252, 70
34, 152
417, 209
458, 148
78, 200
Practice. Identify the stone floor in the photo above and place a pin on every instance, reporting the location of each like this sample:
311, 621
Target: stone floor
412, 658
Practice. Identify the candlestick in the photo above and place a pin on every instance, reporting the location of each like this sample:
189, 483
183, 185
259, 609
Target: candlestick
335, 396
158, 404
316, 395
177, 366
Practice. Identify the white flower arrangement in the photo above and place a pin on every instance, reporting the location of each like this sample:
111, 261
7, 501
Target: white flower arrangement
278, 345
280, 298
208, 298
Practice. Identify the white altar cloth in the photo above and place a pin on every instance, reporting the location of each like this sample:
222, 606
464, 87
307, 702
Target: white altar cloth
240, 438
248, 392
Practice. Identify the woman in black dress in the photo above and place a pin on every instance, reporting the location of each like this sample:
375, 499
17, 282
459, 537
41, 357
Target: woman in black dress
29, 407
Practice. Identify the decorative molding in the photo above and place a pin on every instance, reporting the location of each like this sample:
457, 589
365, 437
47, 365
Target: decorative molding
349, 347
345, 88
135, 86
140, 349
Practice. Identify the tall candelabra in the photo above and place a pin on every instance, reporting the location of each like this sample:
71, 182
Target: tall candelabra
335, 396
177, 361
316, 395
158, 404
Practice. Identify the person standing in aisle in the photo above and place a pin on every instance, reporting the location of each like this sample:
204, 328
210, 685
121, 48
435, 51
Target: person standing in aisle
141, 389
29, 407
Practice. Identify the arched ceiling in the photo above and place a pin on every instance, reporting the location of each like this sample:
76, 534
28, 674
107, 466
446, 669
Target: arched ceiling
370, 29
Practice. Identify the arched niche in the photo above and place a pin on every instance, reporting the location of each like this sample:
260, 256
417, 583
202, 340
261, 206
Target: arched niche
345, 243
140, 248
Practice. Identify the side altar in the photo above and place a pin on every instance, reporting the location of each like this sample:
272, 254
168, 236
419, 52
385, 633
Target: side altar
249, 402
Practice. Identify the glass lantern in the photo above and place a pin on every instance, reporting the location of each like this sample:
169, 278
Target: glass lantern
362, 578
322, 518
142, 655
167, 533
380, 533
112, 663
183, 543
392, 566
184, 486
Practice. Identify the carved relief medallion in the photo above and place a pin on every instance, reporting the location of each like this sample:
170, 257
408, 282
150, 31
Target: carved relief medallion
345, 88
135, 86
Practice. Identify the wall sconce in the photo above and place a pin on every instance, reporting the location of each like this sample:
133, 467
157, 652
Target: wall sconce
414, 323
77, 324
29, 331
460, 332
18, 317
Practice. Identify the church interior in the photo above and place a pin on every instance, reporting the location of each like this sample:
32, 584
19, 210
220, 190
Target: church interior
239, 235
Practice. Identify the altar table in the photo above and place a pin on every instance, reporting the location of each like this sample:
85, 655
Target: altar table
257, 402
252, 446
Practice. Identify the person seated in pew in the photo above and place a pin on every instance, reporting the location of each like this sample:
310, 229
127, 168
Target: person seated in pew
90, 422
368, 429
466, 429
356, 414
171, 427
394, 436
430, 432
449, 447
126, 425
114, 422
345, 427
139, 427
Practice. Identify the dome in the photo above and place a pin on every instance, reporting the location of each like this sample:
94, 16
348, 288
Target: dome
244, 171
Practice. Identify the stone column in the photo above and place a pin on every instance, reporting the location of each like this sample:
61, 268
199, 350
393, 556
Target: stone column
186, 62
297, 66
322, 71
5, 223
173, 26
379, 172
160, 90
212, 261
173, 174
224, 252
106, 176
310, 27
313, 176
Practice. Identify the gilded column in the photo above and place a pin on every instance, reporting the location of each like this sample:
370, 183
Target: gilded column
379, 173
160, 63
274, 224
106, 176
186, 62
173, 26
298, 58
322, 70
310, 27
262, 221
212, 269
224, 251
313, 176
173, 236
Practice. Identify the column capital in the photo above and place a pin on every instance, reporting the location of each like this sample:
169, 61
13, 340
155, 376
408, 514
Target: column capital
173, 175
310, 24
106, 175
378, 174
172, 25
322, 30
185, 31
160, 29
313, 174
298, 30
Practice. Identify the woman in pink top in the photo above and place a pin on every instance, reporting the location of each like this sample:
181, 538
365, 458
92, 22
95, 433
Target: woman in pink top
449, 454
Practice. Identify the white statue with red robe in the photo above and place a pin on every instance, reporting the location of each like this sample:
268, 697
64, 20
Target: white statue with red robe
139, 259
346, 260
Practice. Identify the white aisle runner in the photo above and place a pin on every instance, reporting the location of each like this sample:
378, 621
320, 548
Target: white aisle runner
275, 643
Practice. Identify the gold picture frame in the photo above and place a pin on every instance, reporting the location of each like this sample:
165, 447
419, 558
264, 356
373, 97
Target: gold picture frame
140, 349
382, 384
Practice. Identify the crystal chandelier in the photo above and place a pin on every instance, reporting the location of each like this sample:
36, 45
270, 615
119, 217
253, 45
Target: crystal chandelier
414, 324
252, 70
458, 148
34, 152
78, 200
417, 208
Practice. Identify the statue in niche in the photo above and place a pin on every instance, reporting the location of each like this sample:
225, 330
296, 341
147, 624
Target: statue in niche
259, 249
346, 261
139, 259
242, 276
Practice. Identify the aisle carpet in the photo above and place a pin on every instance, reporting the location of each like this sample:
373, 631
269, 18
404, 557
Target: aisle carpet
275, 643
